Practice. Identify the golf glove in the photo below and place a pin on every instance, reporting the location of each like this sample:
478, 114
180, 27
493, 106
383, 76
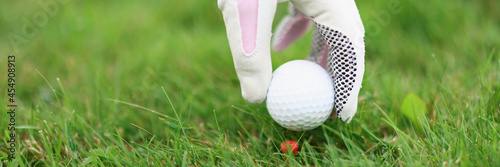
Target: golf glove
337, 44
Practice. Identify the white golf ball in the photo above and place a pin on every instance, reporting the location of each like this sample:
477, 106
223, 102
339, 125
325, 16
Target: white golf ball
300, 96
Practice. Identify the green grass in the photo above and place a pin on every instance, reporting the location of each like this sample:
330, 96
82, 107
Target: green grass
142, 83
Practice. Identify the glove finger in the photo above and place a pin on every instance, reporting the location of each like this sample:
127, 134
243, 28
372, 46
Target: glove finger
345, 66
291, 27
319, 50
248, 25
340, 26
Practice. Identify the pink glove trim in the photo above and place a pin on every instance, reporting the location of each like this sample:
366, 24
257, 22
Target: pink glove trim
294, 30
247, 10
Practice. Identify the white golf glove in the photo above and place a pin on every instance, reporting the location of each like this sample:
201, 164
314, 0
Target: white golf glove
337, 45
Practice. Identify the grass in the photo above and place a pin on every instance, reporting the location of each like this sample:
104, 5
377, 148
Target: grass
129, 83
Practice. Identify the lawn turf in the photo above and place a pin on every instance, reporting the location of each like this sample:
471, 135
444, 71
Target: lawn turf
141, 83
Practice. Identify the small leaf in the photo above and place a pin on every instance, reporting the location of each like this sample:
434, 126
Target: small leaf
414, 108
87, 160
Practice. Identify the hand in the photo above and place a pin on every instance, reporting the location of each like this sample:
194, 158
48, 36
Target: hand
337, 44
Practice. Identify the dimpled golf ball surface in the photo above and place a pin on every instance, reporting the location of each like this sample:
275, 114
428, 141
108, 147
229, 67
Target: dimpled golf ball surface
300, 96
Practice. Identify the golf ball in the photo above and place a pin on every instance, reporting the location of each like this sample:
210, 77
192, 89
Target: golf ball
300, 96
